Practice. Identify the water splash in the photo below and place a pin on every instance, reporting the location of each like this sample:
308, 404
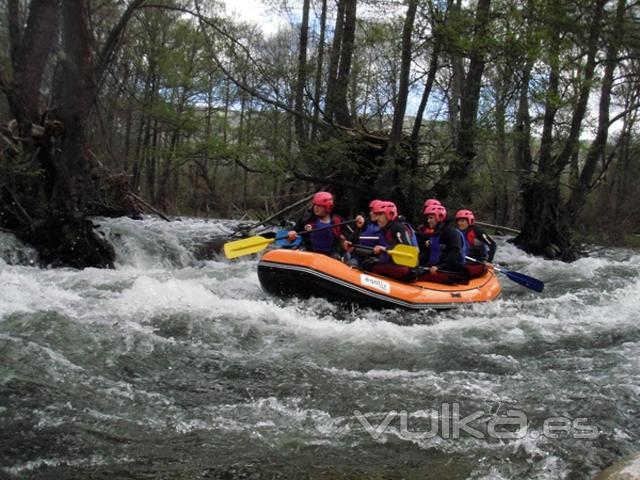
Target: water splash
167, 359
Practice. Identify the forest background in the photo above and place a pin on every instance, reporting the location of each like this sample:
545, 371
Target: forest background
525, 111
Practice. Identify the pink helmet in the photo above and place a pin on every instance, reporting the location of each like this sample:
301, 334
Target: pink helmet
374, 203
390, 210
467, 215
429, 202
438, 210
323, 199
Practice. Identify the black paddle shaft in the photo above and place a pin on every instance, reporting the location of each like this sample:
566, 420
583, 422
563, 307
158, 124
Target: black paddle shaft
327, 227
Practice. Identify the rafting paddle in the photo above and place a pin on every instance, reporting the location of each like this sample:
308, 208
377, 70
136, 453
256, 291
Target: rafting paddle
247, 246
405, 255
521, 278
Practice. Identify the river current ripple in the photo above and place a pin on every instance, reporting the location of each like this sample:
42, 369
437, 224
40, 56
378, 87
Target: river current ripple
173, 367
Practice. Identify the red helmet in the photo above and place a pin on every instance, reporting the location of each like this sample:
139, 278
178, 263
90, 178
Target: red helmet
374, 203
467, 215
438, 210
429, 202
323, 199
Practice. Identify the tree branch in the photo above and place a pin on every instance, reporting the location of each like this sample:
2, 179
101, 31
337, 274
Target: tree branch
327, 181
113, 40
246, 167
622, 114
204, 21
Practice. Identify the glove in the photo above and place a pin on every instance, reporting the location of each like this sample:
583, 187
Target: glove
378, 249
292, 236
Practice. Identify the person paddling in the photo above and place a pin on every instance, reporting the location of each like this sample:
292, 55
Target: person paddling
424, 228
366, 234
371, 231
392, 233
444, 250
327, 241
481, 246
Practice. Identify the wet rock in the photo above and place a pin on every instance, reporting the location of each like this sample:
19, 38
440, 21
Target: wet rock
626, 469
211, 249
552, 251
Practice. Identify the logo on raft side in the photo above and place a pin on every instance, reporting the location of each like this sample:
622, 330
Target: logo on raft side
376, 283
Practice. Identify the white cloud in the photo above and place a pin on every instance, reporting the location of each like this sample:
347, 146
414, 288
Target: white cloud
256, 12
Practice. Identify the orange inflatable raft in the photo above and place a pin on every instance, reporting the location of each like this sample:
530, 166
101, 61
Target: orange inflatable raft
293, 272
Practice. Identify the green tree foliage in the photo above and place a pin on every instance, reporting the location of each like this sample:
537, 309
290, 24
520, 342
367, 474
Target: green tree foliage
206, 115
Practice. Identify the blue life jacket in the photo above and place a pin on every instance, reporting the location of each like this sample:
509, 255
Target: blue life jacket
464, 251
434, 248
370, 236
382, 240
322, 241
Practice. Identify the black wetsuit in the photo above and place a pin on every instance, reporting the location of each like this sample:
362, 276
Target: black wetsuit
481, 246
444, 252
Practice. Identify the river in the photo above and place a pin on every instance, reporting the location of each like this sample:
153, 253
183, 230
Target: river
173, 367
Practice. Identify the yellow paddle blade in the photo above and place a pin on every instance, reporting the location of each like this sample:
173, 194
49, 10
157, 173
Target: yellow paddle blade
404, 255
246, 246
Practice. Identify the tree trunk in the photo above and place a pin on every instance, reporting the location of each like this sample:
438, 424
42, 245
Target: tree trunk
319, 67
405, 70
302, 76
570, 145
127, 139
622, 181
522, 129
498, 179
458, 185
75, 100
395, 159
546, 230
472, 83
334, 63
414, 151
48, 208
599, 143
456, 80
75, 185
342, 115
426, 93
32, 54
225, 116
13, 20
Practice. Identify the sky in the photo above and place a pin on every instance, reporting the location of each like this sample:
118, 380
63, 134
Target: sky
255, 11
